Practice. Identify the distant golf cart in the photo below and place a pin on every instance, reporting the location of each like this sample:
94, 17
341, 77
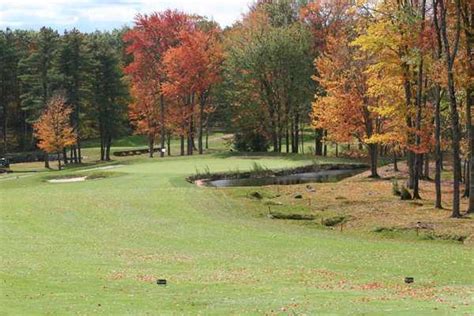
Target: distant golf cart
4, 165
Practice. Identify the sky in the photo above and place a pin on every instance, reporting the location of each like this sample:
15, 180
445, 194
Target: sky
91, 15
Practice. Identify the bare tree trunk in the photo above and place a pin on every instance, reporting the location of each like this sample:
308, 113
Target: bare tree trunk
438, 153
65, 156
190, 141
455, 144
426, 173
74, 153
46, 160
302, 139
297, 133
450, 55
202, 103
470, 176
190, 137
59, 160
467, 179
325, 146
373, 153
168, 143
102, 147
107, 148
207, 135
418, 104
162, 125
292, 132
79, 150
469, 32
437, 99
151, 145
318, 145
395, 161
464, 167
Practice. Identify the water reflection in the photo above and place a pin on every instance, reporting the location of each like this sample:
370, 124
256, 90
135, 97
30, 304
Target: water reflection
299, 178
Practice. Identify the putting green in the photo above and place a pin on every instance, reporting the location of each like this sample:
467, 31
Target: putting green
97, 247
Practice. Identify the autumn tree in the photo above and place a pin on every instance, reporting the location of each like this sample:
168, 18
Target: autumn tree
450, 50
269, 61
467, 14
192, 69
325, 19
147, 43
53, 129
345, 108
395, 40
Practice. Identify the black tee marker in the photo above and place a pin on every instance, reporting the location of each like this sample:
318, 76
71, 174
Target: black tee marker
161, 282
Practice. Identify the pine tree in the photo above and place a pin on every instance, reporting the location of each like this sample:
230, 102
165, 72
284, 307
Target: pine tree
72, 64
109, 93
38, 79
8, 67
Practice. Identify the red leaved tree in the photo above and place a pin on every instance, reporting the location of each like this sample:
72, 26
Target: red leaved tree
147, 42
192, 68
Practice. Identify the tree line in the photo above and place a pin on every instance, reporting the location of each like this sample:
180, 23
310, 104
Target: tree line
399, 73
86, 69
389, 75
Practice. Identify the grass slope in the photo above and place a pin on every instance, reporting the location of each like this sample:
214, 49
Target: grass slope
97, 247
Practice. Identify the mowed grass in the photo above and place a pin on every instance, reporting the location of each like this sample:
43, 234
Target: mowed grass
97, 247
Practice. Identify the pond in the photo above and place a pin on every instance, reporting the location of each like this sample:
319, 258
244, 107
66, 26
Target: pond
297, 178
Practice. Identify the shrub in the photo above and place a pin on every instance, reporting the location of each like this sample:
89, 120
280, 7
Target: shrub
251, 142
333, 221
256, 195
295, 217
405, 194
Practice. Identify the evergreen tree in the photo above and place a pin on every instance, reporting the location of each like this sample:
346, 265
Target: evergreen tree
8, 65
73, 66
108, 91
38, 77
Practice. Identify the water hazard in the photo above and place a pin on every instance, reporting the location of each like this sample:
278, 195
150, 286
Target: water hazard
298, 178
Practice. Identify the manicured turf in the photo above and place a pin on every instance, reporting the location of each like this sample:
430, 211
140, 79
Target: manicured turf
97, 247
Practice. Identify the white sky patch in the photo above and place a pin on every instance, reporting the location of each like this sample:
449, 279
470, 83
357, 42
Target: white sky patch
89, 15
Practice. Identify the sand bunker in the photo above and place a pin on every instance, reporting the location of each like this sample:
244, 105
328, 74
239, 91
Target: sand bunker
68, 180
104, 168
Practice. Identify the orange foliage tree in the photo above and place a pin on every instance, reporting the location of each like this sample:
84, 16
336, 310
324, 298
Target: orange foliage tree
53, 129
344, 109
192, 68
147, 42
399, 41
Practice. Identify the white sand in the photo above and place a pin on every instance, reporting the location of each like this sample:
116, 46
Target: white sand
103, 168
68, 180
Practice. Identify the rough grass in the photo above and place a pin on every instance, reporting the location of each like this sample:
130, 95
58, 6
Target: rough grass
372, 207
97, 247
